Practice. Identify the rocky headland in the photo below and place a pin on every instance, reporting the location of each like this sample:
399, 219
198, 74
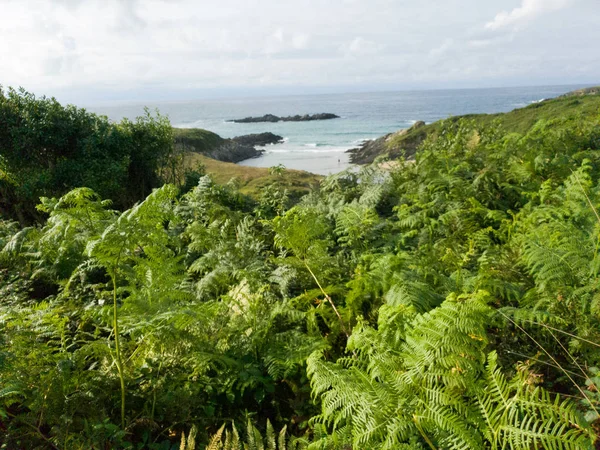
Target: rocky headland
227, 150
401, 143
297, 118
405, 143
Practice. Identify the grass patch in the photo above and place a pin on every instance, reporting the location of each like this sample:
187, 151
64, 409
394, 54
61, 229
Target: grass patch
252, 179
198, 139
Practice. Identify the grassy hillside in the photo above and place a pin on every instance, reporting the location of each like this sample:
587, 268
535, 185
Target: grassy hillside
585, 102
201, 140
214, 146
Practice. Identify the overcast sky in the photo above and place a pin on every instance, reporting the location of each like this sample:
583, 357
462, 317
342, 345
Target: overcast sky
87, 51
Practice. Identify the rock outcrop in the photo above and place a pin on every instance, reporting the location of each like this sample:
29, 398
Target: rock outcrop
401, 143
585, 91
232, 151
214, 146
296, 118
259, 139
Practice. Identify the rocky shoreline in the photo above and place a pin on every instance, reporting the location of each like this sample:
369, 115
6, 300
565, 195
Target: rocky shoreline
401, 143
297, 118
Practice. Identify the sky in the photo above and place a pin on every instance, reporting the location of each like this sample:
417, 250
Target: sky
98, 51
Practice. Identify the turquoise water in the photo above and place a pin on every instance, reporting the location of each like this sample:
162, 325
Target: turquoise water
319, 146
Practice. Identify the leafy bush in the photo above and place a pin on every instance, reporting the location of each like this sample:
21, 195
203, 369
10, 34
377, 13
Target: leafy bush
47, 149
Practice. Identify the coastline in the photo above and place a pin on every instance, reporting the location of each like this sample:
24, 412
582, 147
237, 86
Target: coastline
324, 160
364, 117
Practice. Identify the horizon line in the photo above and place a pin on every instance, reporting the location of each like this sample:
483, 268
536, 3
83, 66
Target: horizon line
109, 103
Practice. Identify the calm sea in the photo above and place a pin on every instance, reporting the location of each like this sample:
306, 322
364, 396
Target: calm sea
319, 146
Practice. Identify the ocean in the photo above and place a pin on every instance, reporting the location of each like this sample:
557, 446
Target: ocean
320, 146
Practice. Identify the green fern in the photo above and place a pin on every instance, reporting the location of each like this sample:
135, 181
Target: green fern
254, 439
431, 384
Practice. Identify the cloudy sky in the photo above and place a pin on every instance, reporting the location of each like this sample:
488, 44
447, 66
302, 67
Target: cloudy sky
89, 51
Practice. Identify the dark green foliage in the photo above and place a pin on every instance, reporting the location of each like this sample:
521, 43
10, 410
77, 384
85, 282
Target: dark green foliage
202, 141
46, 149
449, 303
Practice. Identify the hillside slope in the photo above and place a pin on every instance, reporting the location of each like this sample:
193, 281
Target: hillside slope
405, 142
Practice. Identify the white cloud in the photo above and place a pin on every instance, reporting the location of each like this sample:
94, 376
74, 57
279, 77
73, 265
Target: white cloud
300, 41
152, 46
438, 51
280, 42
528, 10
278, 35
479, 43
360, 46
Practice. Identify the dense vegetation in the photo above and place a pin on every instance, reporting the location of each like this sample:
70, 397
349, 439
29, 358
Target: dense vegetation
47, 149
453, 302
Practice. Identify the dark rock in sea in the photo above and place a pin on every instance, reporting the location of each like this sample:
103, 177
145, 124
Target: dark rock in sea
307, 117
296, 118
402, 143
259, 139
265, 118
